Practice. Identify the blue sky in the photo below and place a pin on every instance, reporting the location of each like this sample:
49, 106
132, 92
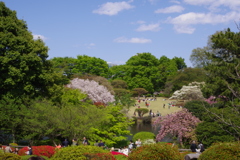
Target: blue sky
117, 30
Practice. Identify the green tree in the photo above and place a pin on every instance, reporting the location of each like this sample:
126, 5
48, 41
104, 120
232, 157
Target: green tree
117, 83
91, 65
115, 127
180, 62
143, 59
64, 65
184, 77
24, 67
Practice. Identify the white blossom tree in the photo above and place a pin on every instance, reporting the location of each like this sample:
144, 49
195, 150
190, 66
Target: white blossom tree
96, 92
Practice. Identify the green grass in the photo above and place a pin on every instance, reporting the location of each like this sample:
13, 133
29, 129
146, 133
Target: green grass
156, 106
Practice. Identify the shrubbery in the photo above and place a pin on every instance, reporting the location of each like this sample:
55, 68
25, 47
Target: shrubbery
10, 156
226, 150
143, 136
26, 157
77, 152
155, 152
47, 151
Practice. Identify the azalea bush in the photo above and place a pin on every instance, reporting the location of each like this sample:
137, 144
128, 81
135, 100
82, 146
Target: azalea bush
47, 151
26, 157
77, 152
226, 150
155, 152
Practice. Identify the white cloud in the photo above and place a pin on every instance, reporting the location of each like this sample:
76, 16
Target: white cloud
233, 4
184, 22
132, 40
90, 45
171, 9
112, 8
150, 27
173, 1
38, 36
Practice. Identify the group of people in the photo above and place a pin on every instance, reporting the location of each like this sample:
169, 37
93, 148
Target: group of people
126, 150
197, 148
8, 149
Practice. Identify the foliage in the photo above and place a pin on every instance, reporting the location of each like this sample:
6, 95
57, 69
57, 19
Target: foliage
47, 151
120, 92
197, 108
26, 157
117, 83
141, 111
99, 156
125, 100
70, 121
120, 157
156, 152
64, 65
140, 91
180, 124
143, 59
24, 68
77, 152
180, 63
229, 151
90, 65
143, 136
211, 132
184, 77
96, 92
10, 156
114, 127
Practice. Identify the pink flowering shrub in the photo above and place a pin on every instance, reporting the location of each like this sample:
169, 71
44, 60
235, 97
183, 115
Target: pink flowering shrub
180, 124
96, 92
211, 100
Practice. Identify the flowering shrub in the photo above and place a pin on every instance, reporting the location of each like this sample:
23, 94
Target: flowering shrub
47, 151
180, 124
121, 157
96, 92
76, 152
226, 150
155, 152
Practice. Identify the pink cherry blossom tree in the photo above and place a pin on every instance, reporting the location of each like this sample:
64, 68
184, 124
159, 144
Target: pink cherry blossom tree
96, 92
180, 124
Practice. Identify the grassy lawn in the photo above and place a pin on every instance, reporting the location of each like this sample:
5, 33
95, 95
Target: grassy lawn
156, 106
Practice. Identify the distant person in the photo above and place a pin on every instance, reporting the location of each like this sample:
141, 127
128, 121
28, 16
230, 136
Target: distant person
138, 143
85, 141
193, 146
201, 147
101, 144
164, 105
96, 143
8, 149
30, 151
74, 142
65, 143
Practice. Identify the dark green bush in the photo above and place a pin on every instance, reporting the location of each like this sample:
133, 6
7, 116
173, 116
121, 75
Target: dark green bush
143, 136
76, 152
10, 156
155, 152
221, 151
